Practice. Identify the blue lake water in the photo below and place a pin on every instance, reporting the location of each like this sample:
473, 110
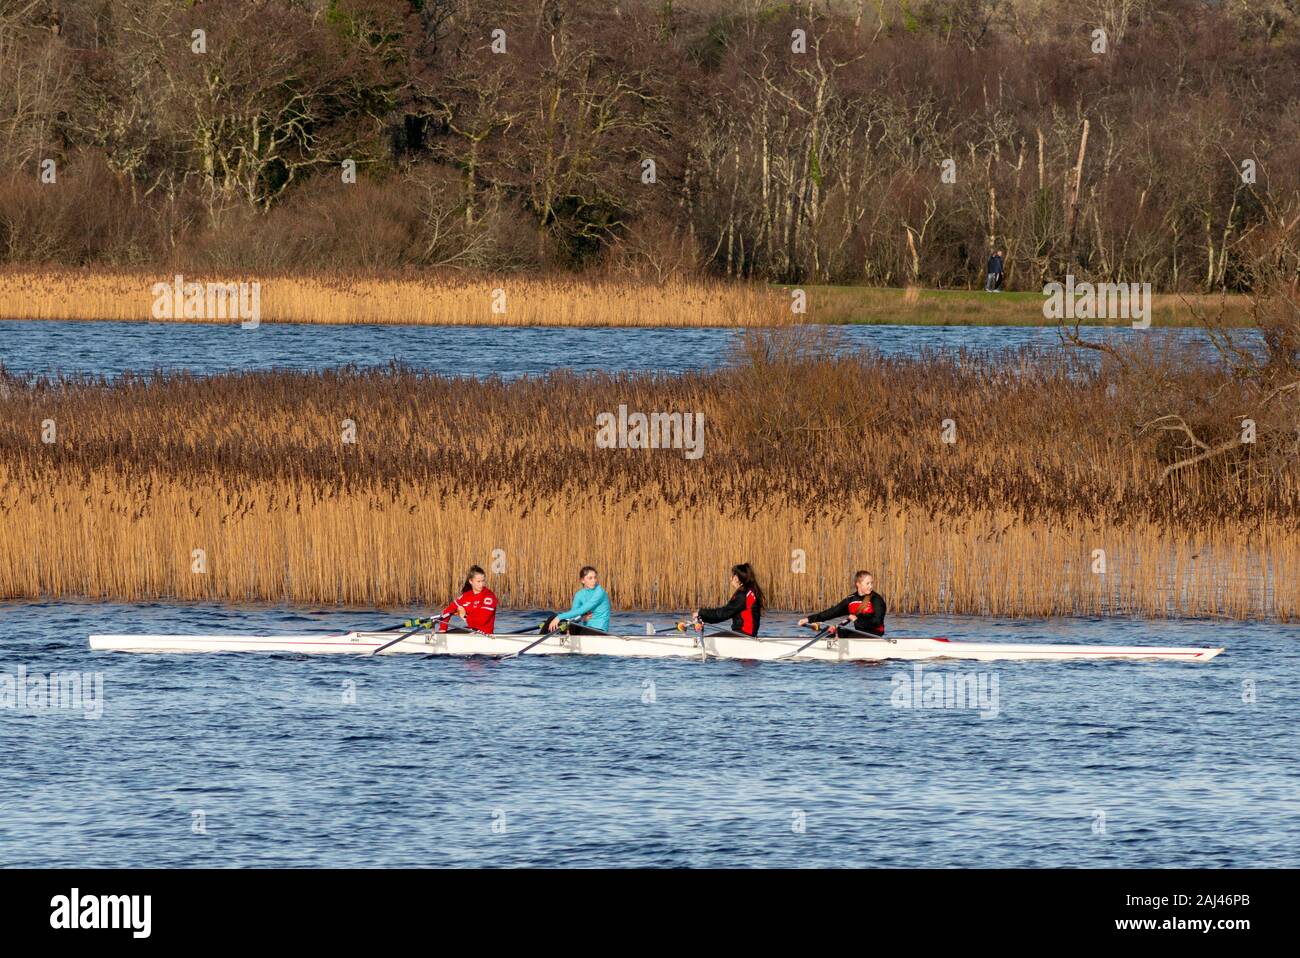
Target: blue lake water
113, 348
573, 762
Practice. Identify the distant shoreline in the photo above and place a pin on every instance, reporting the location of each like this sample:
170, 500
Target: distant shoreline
534, 300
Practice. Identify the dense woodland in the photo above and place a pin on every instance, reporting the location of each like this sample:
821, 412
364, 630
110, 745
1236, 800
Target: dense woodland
778, 155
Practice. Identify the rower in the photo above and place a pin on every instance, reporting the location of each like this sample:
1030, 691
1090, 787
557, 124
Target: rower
590, 604
476, 604
745, 607
864, 607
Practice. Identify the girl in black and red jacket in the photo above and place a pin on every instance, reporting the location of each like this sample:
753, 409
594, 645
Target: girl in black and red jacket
746, 605
865, 608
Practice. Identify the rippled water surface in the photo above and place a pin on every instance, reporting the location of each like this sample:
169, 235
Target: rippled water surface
113, 348
334, 761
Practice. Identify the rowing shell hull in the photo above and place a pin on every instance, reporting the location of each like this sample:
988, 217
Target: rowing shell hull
645, 646
845, 649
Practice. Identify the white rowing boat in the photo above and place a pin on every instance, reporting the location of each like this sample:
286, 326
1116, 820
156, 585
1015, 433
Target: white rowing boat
829, 649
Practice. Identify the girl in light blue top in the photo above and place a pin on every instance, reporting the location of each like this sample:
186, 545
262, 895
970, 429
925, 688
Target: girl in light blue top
590, 604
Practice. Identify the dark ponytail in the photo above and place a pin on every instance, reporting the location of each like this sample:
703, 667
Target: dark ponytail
748, 581
473, 571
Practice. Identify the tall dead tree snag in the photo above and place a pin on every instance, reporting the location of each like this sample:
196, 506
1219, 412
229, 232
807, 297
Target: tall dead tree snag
1072, 215
993, 218
915, 257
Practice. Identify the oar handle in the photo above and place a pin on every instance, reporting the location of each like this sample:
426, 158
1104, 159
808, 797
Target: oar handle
426, 623
834, 630
830, 628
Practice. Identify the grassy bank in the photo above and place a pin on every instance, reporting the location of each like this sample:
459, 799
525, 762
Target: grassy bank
808, 470
518, 300
956, 307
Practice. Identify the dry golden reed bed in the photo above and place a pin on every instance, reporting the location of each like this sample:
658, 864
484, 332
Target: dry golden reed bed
538, 301
841, 460
444, 301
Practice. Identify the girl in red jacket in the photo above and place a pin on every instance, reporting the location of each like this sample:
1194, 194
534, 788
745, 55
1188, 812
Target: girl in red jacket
476, 604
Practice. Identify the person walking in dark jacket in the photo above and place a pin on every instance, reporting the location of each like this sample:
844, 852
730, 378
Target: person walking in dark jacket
993, 281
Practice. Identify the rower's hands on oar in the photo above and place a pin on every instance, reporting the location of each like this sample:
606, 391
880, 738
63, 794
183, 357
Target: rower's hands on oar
812, 625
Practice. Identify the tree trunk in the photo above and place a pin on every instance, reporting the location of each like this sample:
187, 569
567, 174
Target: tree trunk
1074, 201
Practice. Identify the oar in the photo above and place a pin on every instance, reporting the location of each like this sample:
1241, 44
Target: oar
868, 635
420, 626
825, 631
526, 630
533, 645
700, 636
